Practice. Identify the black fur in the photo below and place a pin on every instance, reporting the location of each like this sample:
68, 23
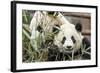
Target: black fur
52, 13
52, 53
63, 40
86, 56
78, 27
86, 42
73, 39
39, 28
47, 42
55, 30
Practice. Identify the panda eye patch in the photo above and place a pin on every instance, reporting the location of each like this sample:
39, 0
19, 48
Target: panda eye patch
39, 29
55, 29
63, 40
73, 39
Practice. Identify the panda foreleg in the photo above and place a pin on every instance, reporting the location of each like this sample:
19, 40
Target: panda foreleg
86, 51
86, 43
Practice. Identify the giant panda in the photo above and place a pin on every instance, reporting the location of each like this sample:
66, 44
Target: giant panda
67, 39
69, 42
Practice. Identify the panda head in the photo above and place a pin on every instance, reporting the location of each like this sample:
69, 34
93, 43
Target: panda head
69, 37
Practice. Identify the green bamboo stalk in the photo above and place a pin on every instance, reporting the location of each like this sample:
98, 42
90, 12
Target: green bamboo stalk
26, 34
24, 12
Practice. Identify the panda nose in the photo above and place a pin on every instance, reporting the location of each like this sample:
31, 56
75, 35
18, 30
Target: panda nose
69, 47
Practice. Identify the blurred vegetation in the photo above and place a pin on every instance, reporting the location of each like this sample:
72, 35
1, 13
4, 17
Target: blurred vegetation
29, 54
26, 17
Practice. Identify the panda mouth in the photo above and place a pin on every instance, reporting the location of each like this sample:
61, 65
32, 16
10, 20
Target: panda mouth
68, 50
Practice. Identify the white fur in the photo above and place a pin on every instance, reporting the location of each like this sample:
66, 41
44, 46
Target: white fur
46, 21
43, 19
68, 30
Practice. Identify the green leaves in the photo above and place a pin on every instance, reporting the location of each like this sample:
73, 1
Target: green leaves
26, 17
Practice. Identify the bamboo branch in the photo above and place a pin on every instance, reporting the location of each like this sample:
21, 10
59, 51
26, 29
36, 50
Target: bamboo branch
26, 34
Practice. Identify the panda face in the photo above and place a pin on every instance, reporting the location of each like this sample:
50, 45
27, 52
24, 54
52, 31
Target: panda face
68, 41
69, 38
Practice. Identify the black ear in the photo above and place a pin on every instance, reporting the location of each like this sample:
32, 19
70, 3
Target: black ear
51, 12
55, 29
78, 27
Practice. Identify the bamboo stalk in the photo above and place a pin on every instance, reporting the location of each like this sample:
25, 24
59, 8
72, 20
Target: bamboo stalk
26, 34
26, 27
